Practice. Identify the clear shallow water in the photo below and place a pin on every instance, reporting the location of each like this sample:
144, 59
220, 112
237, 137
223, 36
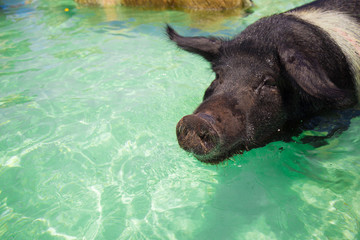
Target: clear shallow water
89, 100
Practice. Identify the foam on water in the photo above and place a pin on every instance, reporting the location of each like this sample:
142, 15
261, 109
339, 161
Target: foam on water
89, 101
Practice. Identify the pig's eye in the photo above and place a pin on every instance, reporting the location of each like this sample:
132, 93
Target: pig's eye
270, 82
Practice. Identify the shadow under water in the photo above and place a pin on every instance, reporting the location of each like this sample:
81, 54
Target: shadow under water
291, 190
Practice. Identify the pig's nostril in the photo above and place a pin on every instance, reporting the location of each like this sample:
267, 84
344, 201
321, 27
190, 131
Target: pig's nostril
208, 141
195, 134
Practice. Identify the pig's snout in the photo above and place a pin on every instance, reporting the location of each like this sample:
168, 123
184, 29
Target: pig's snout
196, 134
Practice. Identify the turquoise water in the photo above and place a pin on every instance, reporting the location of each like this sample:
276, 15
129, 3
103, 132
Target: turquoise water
89, 101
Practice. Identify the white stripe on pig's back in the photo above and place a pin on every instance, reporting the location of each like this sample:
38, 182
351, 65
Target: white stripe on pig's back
343, 29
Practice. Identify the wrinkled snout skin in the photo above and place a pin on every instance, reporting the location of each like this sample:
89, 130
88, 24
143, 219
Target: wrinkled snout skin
279, 70
216, 123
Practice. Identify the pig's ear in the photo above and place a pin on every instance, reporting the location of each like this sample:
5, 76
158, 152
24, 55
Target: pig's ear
208, 48
312, 78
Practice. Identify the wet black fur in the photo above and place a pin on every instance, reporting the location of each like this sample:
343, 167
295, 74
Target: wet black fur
312, 73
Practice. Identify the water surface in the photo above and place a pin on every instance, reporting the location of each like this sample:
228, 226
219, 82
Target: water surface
89, 101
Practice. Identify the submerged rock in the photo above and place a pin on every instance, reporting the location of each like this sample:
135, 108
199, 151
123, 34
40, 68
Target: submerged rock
173, 4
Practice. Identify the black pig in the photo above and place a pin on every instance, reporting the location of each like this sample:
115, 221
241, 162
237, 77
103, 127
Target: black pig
280, 69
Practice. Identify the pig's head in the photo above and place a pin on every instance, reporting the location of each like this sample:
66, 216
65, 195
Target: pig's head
245, 106
241, 109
